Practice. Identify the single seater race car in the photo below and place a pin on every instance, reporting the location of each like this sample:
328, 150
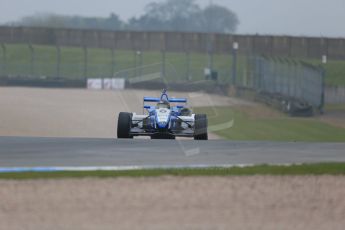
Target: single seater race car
163, 121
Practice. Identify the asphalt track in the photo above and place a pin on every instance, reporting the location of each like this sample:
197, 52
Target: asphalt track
76, 152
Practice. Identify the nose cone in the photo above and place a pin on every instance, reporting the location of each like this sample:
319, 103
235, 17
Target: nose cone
162, 118
162, 125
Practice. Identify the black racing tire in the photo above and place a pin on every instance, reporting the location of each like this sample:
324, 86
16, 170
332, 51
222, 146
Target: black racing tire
200, 132
124, 124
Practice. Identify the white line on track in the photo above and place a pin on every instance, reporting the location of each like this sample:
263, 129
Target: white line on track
121, 168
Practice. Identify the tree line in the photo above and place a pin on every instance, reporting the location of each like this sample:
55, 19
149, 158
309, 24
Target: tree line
170, 15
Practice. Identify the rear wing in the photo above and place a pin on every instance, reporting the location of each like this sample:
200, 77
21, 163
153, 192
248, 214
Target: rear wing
151, 99
171, 100
156, 100
178, 100
164, 97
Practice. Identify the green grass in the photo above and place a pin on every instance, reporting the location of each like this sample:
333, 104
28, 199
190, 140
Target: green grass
305, 169
247, 126
337, 107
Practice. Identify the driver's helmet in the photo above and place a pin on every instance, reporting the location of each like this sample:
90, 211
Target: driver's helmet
163, 105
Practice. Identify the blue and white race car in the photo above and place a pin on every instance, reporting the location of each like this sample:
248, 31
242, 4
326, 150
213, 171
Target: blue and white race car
168, 119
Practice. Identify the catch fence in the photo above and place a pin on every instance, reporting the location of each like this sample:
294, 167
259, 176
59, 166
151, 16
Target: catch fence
296, 85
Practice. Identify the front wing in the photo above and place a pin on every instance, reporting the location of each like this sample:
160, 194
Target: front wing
185, 130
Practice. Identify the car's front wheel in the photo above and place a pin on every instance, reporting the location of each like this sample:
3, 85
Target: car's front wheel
200, 131
124, 124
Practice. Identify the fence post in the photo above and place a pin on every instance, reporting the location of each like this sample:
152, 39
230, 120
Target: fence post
112, 62
135, 63
294, 78
210, 59
32, 59
187, 66
323, 86
261, 71
234, 63
209, 48
85, 61
140, 55
290, 46
58, 61
163, 64
4, 59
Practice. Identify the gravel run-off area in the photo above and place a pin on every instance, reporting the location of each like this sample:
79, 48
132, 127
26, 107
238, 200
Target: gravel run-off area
253, 202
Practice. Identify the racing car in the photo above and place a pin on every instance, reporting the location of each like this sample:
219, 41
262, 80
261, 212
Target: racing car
167, 119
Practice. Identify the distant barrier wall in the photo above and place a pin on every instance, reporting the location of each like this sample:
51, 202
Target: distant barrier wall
309, 47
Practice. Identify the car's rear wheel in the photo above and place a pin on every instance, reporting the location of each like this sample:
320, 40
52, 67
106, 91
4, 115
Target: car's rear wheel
124, 124
200, 132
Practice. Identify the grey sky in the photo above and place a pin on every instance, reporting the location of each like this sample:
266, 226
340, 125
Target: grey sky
290, 17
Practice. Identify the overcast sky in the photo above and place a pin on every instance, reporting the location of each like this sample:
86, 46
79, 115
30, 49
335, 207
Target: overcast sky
288, 17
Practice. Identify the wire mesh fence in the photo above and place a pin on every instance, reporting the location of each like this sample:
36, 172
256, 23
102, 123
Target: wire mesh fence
293, 82
39, 61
